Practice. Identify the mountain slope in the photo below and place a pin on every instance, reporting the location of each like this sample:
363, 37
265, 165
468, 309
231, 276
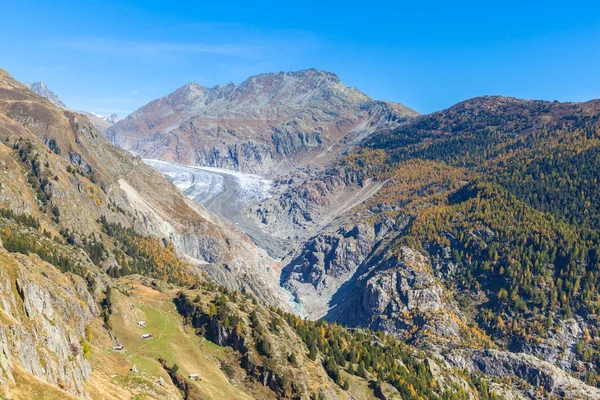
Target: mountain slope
269, 123
484, 293
483, 227
78, 210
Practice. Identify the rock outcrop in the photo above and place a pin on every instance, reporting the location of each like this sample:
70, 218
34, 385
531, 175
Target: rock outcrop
397, 293
524, 366
44, 315
43, 90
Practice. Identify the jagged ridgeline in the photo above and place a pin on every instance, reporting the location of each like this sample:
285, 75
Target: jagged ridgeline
270, 123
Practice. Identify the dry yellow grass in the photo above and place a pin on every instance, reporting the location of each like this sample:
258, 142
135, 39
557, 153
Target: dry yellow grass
28, 387
170, 341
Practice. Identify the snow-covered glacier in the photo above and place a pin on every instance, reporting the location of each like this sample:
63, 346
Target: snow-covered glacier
206, 184
225, 192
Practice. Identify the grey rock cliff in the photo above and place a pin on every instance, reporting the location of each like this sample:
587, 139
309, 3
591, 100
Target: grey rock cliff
44, 91
44, 314
524, 366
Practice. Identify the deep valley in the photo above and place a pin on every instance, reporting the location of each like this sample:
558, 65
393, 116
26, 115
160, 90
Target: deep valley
291, 237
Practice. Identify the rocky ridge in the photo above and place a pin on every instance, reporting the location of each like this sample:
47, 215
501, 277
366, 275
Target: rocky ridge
45, 315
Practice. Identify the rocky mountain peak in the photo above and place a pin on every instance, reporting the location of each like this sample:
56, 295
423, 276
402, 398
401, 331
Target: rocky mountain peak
265, 96
271, 121
42, 89
192, 88
183, 97
112, 118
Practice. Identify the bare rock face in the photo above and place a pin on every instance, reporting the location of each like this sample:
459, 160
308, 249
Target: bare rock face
325, 262
408, 285
43, 90
269, 123
524, 366
44, 316
396, 293
305, 202
333, 255
560, 344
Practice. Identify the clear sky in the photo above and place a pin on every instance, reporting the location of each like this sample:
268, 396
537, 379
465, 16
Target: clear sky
115, 56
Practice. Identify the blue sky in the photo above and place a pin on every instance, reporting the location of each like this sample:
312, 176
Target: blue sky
116, 56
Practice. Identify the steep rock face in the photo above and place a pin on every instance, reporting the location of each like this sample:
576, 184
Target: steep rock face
524, 366
43, 90
560, 346
44, 316
397, 293
333, 255
269, 123
328, 260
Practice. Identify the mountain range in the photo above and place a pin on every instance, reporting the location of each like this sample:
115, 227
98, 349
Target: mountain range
270, 123
101, 122
452, 255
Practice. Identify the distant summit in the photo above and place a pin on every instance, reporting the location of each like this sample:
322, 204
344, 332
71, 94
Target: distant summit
101, 122
110, 118
43, 90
